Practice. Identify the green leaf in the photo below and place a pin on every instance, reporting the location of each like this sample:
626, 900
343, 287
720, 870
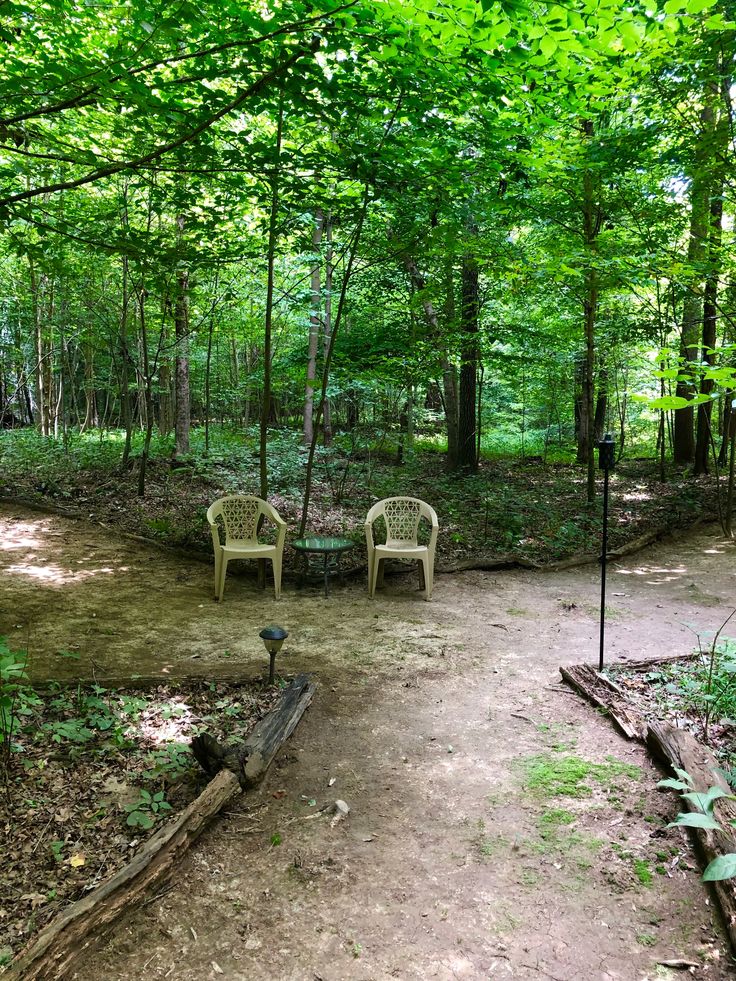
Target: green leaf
723, 867
704, 802
674, 784
695, 821
548, 46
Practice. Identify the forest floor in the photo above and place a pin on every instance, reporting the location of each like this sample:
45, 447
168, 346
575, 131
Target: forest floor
522, 508
499, 827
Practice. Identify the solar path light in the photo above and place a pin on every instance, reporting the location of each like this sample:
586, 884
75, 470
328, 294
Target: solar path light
606, 460
273, 638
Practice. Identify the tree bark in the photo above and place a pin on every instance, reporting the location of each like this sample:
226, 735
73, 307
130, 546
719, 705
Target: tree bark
314, 325
684, 442
710, 293
181, 329
268, 319
592, 217
329, 271
467, 459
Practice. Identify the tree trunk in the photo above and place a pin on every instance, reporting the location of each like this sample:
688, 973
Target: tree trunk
710, 320
208, 367
449, 370
181, 329
125, 406
314, 325
601, 405
467, 459
710, 293
268, 319
684, 442
592, 216
90, 402
329, 270
148, 395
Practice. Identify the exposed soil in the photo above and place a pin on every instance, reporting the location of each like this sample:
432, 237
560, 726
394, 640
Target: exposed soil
497, 828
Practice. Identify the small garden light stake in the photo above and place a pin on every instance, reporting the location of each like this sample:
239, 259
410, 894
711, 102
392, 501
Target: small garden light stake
606, 460
273, 638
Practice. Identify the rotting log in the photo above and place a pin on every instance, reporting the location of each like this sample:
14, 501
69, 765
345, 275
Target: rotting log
606, 695
679, 748
51, 955
652, 663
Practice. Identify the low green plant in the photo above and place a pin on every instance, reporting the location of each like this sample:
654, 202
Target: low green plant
17, 702
702, 816
144, 812
170, 762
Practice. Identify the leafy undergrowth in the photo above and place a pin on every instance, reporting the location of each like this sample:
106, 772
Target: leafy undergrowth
526, 509
696, 693
90, 774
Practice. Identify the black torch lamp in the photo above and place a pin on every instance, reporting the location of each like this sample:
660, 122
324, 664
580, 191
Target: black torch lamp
606, 461
273, 639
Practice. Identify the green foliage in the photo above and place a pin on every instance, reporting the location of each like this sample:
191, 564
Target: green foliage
17, 701
171, 762
147, 810
701, 815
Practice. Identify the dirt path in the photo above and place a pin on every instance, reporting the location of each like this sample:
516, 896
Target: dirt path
436, 721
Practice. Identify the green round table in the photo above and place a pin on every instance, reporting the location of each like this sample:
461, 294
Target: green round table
330, 549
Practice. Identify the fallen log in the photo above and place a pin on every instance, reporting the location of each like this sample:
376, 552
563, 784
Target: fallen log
679, 748
605, 694
652, 663
52, 954
492, 562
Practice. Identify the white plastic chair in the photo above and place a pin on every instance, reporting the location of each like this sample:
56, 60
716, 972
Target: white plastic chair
402, 516
240, 516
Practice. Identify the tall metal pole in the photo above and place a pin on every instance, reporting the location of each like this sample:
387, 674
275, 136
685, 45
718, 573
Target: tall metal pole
606, 459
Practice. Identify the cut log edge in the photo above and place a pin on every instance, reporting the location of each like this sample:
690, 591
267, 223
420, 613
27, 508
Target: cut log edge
52, 953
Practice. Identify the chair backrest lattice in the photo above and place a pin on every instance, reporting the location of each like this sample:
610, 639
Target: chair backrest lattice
402, 521
240, 516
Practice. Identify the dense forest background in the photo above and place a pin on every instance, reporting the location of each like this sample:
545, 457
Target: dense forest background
385, 231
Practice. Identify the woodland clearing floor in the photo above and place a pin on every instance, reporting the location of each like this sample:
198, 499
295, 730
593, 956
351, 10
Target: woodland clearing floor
435, 720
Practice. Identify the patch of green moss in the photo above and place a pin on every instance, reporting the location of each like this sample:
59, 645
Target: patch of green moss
642, 871
557, 816
568, 776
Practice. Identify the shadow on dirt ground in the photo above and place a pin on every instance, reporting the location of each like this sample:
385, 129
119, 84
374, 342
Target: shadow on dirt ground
498, 828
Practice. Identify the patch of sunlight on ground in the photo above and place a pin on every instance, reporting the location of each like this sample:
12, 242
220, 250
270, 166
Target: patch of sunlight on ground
20, 535
665, 575
55, 575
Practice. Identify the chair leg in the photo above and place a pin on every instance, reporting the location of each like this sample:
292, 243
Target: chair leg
261, 573
218, 560
379, 572
276, 561
422, 576
370, 572
223, 573
374, 575
427, 576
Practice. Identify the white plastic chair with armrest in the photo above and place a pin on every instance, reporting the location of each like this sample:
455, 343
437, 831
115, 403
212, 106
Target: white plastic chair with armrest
402, 516
240, 517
